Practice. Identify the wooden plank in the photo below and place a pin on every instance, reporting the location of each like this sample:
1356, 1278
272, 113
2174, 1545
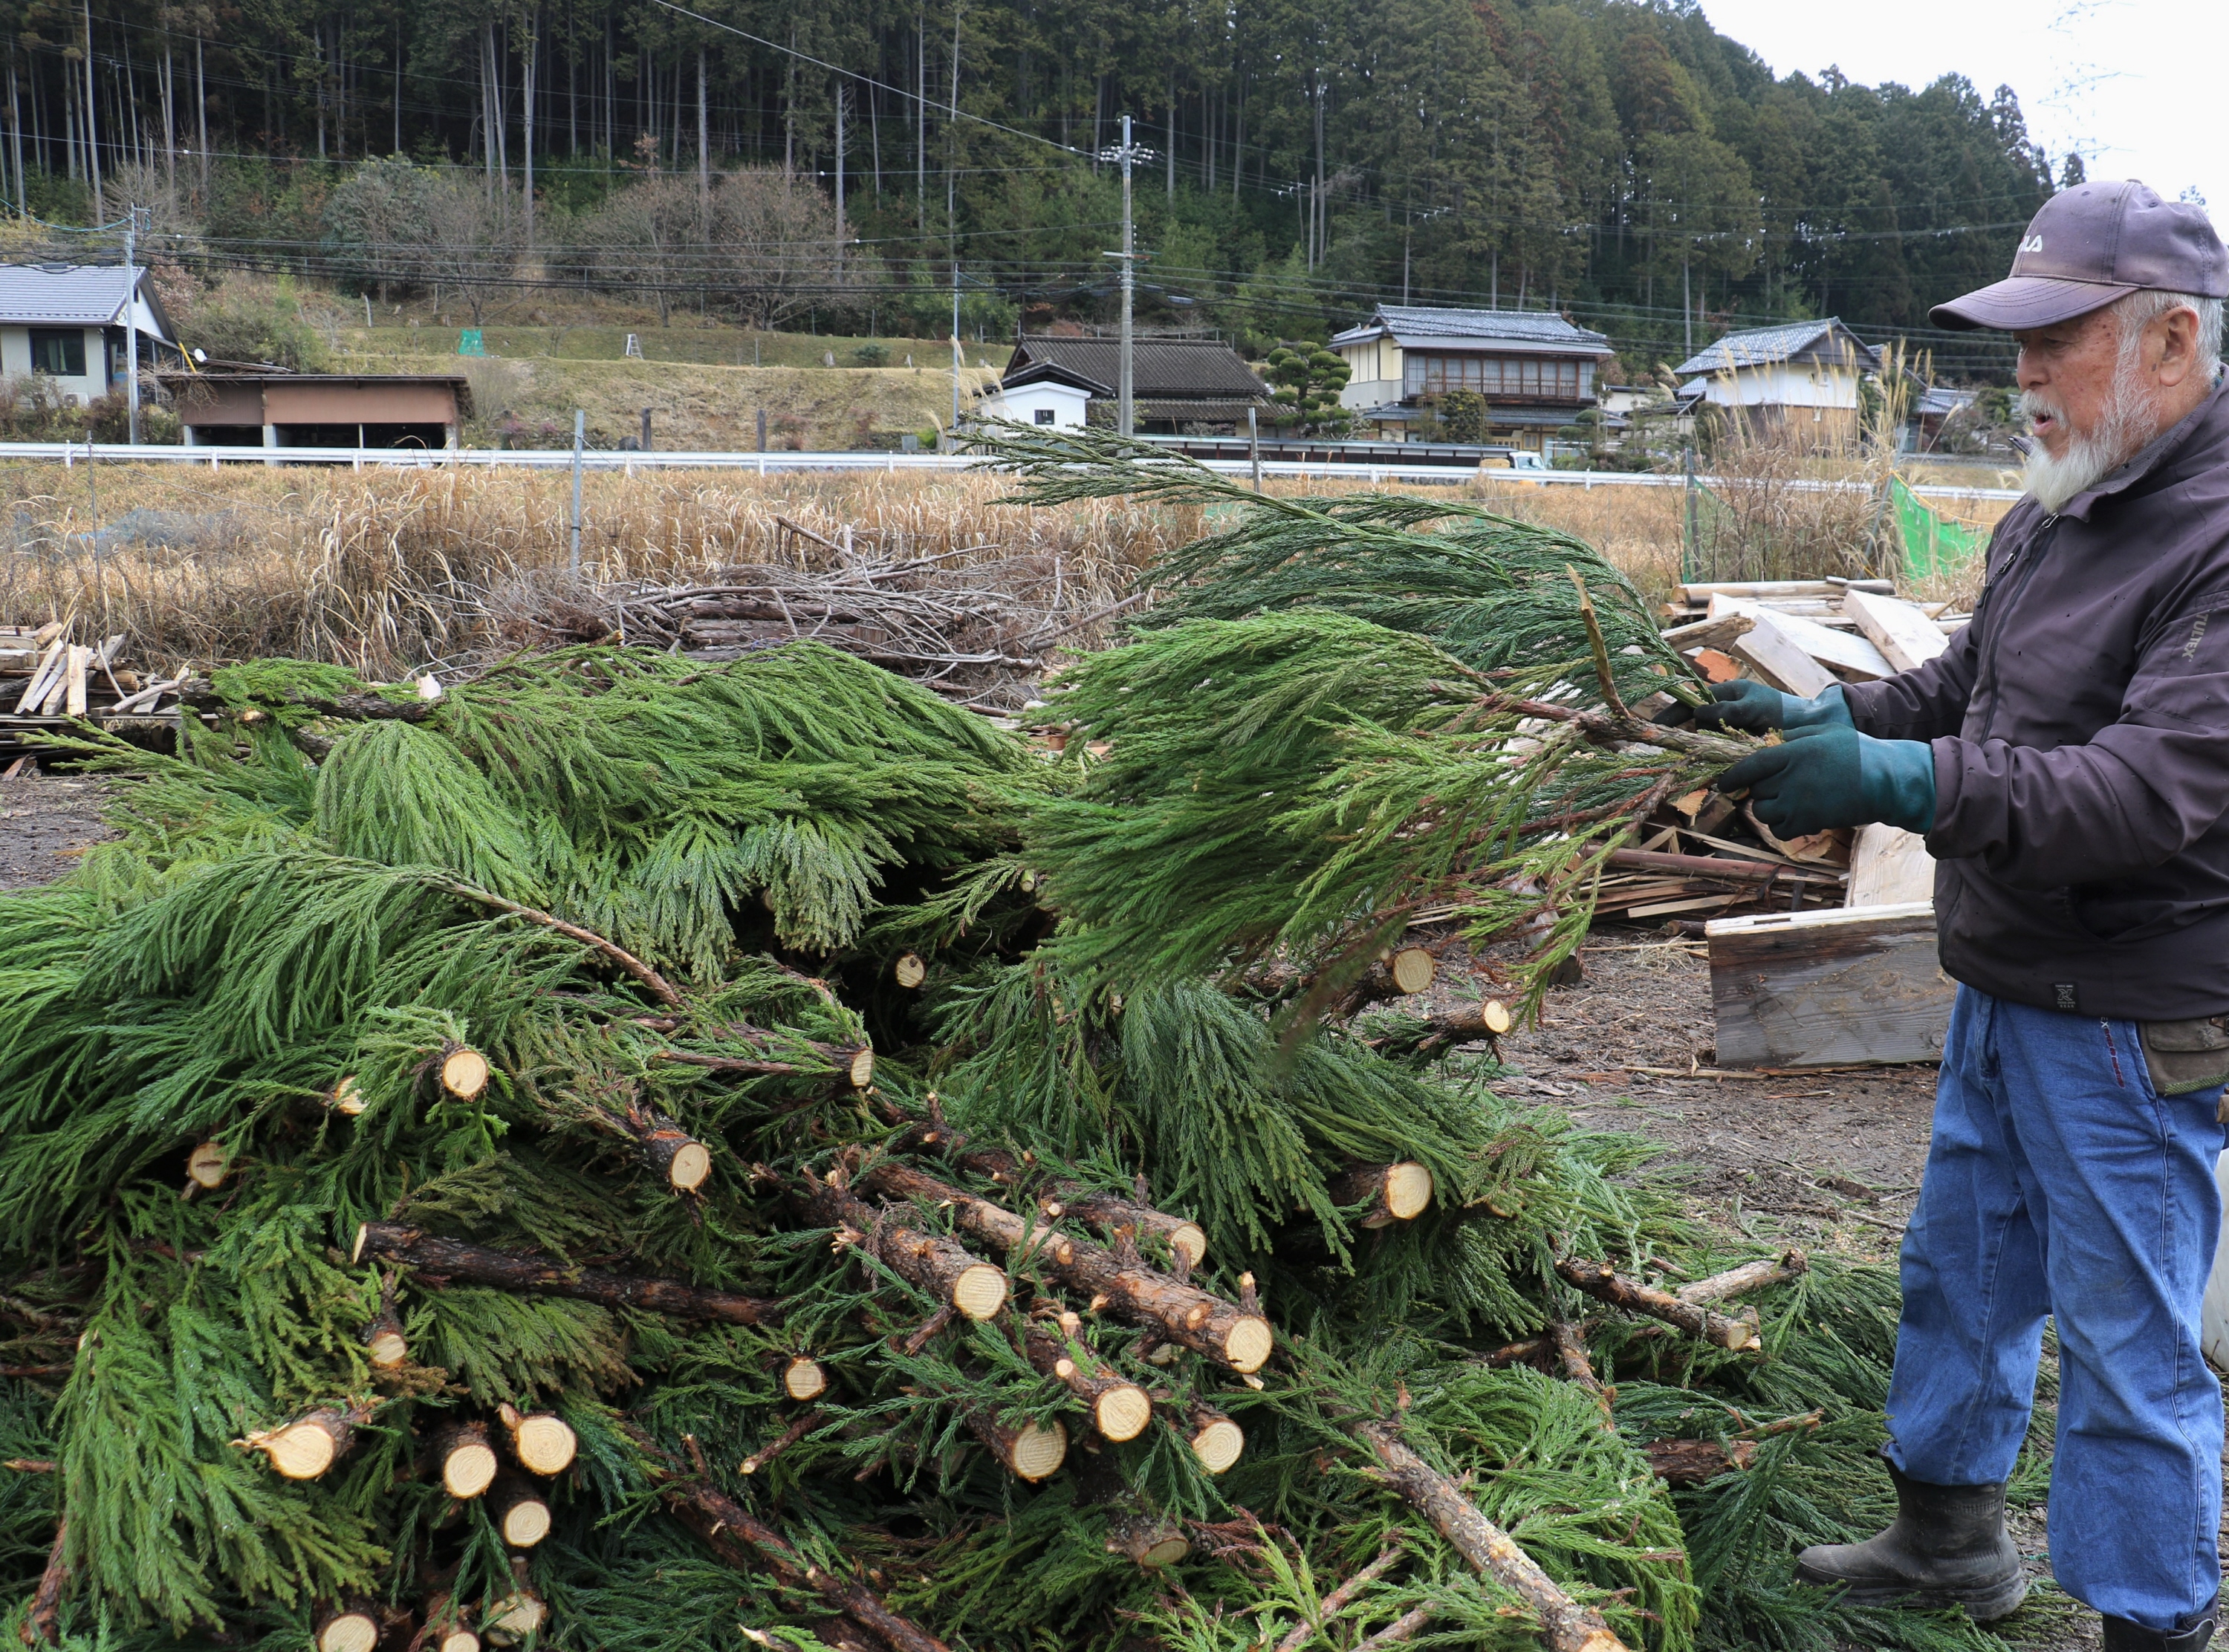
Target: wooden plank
1840, 988
1703, 590
1768, 650
1709, 633
1843, 650
1889, 866
74, 682
1907, 637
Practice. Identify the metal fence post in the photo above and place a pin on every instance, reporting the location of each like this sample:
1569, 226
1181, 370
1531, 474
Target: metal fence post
580, 437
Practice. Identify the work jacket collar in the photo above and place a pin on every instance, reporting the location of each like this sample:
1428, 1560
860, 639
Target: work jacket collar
2148, 458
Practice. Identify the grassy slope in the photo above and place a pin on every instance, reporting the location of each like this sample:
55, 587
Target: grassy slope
698, 380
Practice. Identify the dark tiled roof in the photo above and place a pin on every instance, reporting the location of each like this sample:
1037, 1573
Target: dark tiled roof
1763, 346
1533, 327
1178, 369
1190, 411
1053, 373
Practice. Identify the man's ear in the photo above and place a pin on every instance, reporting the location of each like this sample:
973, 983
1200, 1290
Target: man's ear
2178, 357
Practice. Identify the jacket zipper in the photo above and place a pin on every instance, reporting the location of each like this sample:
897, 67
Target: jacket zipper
2024, 563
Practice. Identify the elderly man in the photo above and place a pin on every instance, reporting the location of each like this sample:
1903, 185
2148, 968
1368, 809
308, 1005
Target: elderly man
2067, 757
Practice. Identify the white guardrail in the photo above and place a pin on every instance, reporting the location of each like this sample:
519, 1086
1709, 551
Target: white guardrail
70, 454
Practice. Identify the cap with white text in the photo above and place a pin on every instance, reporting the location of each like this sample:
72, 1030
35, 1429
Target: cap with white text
2091, 245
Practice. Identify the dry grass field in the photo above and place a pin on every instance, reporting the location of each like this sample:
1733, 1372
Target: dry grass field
389, 570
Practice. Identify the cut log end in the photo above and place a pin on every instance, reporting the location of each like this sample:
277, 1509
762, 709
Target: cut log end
1248, 1345
349, 1631
910, 971
464, 1072
301, 1450
363, 1235
861, 1068
1408, 1190
544, 1444
456, 1640
691, 1164
979, 1291
1151, 1544
514, 1617
803, 1379
207, 1163
1189, 1240
525, 1523
1038, 1450
386, 1348
348, 1097
1413, 969
468, 1470
1495, 1014
1122, 1413
1219, 1444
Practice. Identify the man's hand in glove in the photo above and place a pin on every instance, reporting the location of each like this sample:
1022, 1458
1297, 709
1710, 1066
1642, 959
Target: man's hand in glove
1746, 703
1832, 776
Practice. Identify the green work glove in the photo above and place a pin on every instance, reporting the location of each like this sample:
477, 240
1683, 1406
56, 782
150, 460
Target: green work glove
1746, 703
1832, 776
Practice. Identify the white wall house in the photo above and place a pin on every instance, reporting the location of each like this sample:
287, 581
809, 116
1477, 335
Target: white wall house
1044, 393
67, 322
1803, 376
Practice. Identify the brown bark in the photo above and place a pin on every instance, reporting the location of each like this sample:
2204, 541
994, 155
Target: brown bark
1572, 1358
437, 1258
1404, 1628
789, 1437
1119, 1409
1531, 1351
1390, 1193
656, 983
749, 1544
543, 1442
41, 1623
1182, 1313
854, 1063
1689, 1462
1566, 1626
384, 1344
1751, 1276
1604, 1283
1337, 1601
1476, 1023
942, 1267
1110, 1213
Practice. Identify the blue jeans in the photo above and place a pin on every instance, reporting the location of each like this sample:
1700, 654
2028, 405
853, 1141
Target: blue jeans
2060, 1182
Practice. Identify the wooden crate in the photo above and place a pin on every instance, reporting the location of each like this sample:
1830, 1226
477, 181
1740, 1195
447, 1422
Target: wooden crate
1828, 988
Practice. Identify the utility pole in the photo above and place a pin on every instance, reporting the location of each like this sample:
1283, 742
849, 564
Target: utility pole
1126, 153
839, 177
131, 317
955, 352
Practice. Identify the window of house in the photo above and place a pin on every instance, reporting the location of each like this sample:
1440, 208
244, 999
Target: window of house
1521, 377
1045, 415
59, 351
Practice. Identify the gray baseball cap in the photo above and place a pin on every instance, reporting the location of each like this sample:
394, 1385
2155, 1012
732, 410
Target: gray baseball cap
2091, 245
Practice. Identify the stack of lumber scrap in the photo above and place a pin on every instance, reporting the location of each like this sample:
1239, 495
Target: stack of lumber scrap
56, 671
1801, 636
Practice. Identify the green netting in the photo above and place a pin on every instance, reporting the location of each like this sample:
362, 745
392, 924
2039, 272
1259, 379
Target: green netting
1932, 544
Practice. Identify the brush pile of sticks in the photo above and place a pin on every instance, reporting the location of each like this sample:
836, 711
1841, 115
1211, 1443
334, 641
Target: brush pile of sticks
975, 624
47, 674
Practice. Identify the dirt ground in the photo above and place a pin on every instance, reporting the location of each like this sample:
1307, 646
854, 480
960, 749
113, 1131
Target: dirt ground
46, 821
1829, 1161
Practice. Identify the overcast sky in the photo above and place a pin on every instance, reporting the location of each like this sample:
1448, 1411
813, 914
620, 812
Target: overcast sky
2137, 85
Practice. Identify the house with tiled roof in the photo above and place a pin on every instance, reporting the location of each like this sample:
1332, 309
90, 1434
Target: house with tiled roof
1535, 369
71, 323
1800, 377
1179, 387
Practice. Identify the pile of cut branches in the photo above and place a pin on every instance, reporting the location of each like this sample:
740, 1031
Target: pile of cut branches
625, 1155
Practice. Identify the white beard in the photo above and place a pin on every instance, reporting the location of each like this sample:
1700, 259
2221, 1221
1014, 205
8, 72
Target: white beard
2129, 422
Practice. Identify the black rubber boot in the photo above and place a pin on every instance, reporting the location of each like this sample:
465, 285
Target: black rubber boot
1947, 1546
2121, 1635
